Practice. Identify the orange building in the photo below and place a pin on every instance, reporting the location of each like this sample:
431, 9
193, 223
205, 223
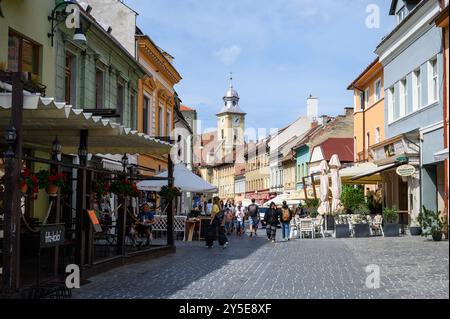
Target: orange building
156, 99
368, 90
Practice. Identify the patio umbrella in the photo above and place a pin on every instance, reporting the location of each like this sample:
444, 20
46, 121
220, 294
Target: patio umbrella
324, 207
336, 185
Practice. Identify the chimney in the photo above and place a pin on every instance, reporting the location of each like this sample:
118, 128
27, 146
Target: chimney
314, 124
312, 108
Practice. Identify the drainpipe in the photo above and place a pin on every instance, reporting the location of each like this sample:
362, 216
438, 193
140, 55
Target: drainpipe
444, 104
363, 108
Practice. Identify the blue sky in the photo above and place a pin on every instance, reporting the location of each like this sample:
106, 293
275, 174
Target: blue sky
280, 51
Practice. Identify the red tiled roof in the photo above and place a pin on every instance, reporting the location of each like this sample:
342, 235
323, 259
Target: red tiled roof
186, 108
343, 147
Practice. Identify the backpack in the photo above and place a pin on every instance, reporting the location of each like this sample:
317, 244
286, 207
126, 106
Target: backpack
286, 215
252, 209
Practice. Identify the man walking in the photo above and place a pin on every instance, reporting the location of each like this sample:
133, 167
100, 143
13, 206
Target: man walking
253, 217
285, 217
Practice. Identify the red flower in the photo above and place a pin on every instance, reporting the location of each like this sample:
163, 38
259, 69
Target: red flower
36, 190
52, 178
34, 179
26, 172
23, 184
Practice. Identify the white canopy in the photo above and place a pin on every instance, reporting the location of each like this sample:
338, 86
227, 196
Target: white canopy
283, 197
184, 179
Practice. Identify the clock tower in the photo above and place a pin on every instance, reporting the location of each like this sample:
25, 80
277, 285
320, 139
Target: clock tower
230, 122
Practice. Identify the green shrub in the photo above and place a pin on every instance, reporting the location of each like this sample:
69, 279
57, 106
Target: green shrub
390, 215
430, 222
352, 197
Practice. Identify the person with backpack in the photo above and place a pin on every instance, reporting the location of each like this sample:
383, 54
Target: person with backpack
253, 217
271, 219
285, 218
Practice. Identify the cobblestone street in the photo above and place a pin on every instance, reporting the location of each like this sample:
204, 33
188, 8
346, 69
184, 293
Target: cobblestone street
411, 267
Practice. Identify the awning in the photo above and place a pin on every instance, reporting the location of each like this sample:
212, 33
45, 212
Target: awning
441, 155
184, 179
43, 119
348, 173
374, 171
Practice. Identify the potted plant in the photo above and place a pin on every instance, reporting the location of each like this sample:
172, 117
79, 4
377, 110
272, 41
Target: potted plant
51, 181
360, 221
351, 198
431, 224
124, 187
342, 227
28, 181
391, 226
168, 193
100, 188
414, 228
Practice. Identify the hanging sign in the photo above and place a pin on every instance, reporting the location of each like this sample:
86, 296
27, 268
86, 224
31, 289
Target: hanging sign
52, 235
406, 170
94, 220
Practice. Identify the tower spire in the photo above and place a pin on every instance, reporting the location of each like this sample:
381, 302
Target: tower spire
231, 80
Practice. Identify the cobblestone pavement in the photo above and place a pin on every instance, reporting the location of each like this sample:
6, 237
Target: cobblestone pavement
410, 267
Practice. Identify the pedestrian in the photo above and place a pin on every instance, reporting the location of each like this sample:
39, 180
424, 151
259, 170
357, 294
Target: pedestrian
240, 215
285, 218
271, 219
216, 228
253, 217
229, 217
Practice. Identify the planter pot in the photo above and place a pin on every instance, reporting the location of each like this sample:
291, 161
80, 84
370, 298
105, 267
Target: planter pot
391, 230
415, 231
361, 230
24, 189
52, 190
437, 236
342, 231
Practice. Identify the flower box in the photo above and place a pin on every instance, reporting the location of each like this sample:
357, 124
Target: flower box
361, 230
391, 230
342, 231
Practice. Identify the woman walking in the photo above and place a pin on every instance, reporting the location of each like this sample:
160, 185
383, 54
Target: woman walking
240, 214
216, 228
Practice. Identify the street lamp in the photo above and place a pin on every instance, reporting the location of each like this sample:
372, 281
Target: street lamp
125, 162
56, 149
79, 36
82, 152
10, 138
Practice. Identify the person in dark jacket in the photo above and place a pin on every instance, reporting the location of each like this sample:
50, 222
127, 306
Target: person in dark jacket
271, 219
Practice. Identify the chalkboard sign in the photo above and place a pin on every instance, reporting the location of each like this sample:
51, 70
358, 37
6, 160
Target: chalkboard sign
53, 235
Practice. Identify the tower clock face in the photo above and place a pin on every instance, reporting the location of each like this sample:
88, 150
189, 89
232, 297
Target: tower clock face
236, 121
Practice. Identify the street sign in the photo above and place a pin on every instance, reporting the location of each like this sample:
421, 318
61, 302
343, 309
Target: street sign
52, 235
406, 170
402, 159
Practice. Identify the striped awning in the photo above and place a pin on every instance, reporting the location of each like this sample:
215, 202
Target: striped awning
43, 119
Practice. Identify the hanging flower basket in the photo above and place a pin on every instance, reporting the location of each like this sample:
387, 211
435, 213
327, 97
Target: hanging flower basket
100, 188
169, 193
28, 181
51, 181
124, 187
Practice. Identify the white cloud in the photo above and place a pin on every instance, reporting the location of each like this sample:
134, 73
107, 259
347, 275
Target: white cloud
228, 55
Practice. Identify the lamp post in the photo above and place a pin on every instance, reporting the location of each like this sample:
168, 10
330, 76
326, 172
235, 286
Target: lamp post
56, 149
125, 162
78, 37
10, 138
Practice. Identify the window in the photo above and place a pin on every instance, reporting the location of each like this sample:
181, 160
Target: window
377, 135
145, 115
377, 90
133, 111
361, 100
120, 102
169, 123
417, 90
391, 104
403, 97
433, 81
366, 97
70, 79
161, 120
401, 14
23, 54
223, 134
98, 89
367, 140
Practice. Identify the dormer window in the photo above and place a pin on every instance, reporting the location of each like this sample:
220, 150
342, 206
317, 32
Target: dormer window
401, 14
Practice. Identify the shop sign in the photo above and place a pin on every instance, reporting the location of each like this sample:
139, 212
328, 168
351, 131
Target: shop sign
406, 170
52, 235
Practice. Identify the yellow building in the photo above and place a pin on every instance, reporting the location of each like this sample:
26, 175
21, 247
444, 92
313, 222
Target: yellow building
368, 90
156, 97
257, 171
